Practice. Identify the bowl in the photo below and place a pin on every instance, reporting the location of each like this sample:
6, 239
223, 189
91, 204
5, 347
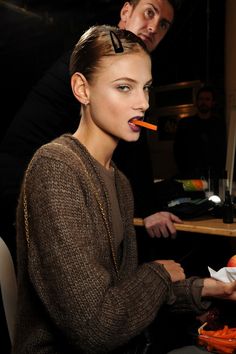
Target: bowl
219, 341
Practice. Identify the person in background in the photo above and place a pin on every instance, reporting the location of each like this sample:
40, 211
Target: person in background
80, 288
200, 142
200, 152
51, 110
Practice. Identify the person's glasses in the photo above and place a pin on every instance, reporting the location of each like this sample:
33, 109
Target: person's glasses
116, 42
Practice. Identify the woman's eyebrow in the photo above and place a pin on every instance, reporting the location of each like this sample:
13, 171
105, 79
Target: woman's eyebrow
125, 78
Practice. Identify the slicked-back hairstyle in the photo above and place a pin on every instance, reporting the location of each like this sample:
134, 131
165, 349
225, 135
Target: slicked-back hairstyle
98, 42
176, 4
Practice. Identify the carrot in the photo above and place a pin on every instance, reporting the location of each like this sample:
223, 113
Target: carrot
144, 124
222, 349
226, 332
229, 343
219, 347
208, 333
223, 340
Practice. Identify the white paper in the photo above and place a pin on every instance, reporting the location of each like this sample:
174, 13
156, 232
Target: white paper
226, 274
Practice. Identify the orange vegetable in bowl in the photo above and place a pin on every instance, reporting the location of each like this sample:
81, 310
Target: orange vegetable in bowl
220, 341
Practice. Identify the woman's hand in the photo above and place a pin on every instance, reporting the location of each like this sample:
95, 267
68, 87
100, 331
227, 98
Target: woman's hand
219, 289
174, 269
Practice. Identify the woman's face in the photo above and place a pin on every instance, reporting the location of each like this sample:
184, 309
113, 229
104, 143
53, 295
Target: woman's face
118, 94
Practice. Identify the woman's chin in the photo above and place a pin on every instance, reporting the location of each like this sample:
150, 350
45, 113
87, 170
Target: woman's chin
132, 138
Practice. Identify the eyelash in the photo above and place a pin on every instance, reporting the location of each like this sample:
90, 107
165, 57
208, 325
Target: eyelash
126, 88
123, 88
148, 88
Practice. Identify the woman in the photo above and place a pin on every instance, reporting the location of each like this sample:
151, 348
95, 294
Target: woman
80, 288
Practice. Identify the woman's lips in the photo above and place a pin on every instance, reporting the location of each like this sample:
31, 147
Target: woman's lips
133, 126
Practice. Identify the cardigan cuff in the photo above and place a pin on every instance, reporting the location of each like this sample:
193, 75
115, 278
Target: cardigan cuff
164, 275
189, 293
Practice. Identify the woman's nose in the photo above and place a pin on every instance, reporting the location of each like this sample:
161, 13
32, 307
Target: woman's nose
143, 101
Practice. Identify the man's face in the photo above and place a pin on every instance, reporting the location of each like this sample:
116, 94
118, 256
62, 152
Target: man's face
205, 102
149, 19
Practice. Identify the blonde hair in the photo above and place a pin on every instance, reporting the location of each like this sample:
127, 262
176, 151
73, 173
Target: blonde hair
99, 42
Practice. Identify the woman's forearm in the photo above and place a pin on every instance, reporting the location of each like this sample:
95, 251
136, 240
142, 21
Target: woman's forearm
216, 288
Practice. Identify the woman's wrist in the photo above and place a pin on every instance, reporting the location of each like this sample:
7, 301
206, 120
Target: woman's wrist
214, 288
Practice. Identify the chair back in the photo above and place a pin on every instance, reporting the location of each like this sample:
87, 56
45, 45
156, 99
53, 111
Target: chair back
8, 287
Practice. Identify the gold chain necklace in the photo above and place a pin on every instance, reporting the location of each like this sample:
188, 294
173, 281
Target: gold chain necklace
26, 215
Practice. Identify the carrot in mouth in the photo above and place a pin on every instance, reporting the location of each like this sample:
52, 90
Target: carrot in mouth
144, 124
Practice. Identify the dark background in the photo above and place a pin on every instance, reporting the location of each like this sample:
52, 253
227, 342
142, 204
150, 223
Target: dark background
34, 33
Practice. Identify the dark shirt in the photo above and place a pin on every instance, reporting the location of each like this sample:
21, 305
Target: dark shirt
200, 146
49, 111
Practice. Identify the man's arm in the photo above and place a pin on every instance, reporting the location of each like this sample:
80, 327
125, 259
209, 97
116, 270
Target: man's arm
161, 224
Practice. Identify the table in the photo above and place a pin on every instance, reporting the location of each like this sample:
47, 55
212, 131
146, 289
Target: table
208, 226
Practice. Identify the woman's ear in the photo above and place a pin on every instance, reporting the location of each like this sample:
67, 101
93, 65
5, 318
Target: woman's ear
80, 88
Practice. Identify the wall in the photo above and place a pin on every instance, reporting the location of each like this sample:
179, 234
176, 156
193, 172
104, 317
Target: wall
230, 56
230, 87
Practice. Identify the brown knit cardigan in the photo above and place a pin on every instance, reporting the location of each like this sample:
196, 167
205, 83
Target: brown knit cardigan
70, 297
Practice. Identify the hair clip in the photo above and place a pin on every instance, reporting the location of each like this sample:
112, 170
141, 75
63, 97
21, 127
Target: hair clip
116, 42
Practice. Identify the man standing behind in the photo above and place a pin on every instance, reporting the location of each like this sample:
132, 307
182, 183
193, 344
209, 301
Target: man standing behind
150, 20
51, 110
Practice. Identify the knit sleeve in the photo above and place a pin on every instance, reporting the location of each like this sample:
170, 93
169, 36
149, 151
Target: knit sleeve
188, 296
68, 264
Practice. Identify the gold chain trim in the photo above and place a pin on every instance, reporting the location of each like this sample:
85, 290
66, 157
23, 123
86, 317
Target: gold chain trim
26, 216
25, 206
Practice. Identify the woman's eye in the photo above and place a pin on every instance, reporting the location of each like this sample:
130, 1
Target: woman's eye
148, 88
123, 88
149, 13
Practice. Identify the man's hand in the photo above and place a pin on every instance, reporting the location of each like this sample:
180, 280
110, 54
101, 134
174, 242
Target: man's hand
161, 224
218, 289
174, 269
